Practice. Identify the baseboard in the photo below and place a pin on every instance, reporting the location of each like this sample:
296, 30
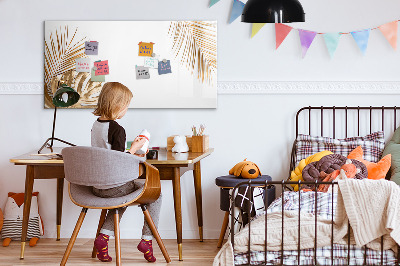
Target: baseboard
260, 87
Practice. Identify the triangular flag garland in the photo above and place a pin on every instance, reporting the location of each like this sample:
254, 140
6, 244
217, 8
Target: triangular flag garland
389, 30
213, 2
256, 27
281, 31
306, 39
237, 8
361, 37
332, 41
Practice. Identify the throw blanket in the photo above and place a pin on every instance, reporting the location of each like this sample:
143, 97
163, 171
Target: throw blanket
373, 209
371, 206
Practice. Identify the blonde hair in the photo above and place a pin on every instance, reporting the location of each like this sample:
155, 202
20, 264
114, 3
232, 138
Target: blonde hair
113, 98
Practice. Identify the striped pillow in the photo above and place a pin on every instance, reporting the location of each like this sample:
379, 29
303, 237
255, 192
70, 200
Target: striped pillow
372, 145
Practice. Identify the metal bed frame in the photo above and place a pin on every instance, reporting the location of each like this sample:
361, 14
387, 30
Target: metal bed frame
284, 183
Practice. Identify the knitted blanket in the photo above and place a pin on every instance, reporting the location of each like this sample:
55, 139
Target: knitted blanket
373, 209
274, 235
371, 206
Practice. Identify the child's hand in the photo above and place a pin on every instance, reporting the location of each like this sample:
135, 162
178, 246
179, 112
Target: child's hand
137, 144
143, 155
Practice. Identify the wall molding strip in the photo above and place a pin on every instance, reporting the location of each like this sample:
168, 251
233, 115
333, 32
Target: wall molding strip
260, 87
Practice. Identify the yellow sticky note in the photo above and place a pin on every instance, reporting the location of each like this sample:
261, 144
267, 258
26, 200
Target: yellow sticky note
145, 48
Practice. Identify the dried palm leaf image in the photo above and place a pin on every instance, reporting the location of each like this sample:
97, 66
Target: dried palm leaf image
194, 44
61, 51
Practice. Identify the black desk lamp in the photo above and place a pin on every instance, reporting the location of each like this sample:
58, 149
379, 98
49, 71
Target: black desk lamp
273, 11
65, 96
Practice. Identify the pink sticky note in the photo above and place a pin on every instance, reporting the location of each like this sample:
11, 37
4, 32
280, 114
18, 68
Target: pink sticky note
101, 68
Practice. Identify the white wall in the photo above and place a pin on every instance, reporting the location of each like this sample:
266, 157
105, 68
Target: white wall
259, 127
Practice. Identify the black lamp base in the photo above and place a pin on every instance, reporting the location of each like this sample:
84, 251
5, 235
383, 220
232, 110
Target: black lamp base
46, 144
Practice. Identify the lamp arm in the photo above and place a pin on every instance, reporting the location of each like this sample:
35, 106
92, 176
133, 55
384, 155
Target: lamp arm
46, 143
54, 126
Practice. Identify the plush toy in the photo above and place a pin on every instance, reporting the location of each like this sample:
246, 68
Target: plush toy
245, 169
296, 174
375, 170
348, 170
180, 144
13, 215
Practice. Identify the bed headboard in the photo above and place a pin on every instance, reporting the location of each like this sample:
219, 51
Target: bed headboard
344, 121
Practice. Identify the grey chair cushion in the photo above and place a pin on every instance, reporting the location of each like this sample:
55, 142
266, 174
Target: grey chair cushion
83, 196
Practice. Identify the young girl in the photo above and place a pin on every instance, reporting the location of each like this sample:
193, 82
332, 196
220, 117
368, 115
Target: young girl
113, 103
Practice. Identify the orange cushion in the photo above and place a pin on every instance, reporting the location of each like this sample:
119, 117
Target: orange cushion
375, 170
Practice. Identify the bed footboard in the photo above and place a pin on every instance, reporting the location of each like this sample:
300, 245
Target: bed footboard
312, 259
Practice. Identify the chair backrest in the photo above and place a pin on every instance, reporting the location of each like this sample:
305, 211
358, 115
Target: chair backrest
92, 166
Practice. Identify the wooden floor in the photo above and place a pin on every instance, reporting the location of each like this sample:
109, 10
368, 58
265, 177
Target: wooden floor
50, 252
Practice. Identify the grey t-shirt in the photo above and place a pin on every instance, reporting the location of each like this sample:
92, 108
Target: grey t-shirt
108, 134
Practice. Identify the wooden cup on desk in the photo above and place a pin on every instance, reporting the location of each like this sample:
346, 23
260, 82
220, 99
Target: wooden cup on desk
200, 143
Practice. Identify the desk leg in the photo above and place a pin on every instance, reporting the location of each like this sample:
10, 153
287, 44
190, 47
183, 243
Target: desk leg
60, 190
176, 182
197, 189
27, 206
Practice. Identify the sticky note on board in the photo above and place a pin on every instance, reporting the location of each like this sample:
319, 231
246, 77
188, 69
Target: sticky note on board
146, 48
164, 67
82, 65
151, 62
142, 72
100, 78
92, 48
101, 68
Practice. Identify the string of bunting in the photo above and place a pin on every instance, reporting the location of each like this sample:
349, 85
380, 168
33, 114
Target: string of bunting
361, 37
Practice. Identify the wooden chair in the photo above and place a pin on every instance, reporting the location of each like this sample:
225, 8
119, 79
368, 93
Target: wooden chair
85, 167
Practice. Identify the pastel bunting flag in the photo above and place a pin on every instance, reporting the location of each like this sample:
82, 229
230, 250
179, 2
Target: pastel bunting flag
332, 41
306, 39
361, 37
281, 31
256, 27
213, 2
389, 30
237, 8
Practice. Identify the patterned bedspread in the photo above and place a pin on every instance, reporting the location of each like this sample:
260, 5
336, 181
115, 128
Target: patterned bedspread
323, 207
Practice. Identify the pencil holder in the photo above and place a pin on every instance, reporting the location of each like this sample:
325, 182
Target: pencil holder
200, 143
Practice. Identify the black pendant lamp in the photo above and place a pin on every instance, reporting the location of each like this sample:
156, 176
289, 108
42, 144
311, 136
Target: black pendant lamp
273, 11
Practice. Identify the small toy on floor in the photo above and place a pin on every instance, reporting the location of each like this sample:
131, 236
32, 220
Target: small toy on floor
13, 215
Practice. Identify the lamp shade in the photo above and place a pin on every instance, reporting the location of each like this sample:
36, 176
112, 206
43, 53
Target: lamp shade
65, 96
273, 11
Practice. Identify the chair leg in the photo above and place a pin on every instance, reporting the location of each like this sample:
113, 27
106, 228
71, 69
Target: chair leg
73, 237
223, 229
154, 230
101, 222
117, 239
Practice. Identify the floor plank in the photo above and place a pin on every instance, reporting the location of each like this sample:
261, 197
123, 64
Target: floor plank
50, 252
